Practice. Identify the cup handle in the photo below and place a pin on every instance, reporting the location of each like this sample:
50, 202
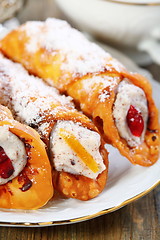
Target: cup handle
151, 45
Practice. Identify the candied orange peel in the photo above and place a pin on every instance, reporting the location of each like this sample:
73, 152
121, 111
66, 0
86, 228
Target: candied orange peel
77, 147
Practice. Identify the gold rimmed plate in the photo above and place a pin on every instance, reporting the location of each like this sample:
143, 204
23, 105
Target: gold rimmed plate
126, 183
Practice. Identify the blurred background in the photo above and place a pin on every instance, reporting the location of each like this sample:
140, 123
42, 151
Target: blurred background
131, 26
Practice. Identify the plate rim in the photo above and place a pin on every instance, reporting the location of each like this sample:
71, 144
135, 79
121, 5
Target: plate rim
84, 218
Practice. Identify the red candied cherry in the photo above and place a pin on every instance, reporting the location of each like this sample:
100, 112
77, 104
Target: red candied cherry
135, 121
6, 167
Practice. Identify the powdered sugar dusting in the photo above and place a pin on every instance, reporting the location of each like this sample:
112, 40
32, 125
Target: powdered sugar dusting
31, 46
103, 80
31, 99
103, 83
78, 54
104, 95
114, 64
43, 128
31, 30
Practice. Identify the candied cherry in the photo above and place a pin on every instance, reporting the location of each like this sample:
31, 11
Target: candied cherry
135, 121
6, 167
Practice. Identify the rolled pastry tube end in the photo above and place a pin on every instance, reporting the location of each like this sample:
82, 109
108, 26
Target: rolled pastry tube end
80, 160
25, 172
65, 59
78, 157
124, 112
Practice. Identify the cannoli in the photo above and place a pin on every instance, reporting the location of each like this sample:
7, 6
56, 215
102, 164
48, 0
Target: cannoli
25, 170
120, 103
77, 153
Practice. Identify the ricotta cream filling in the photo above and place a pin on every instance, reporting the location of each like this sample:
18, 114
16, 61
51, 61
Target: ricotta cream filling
127, 95
65, 159
14, 149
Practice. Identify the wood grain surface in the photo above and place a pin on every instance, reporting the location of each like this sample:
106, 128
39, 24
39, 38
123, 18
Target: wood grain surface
139, 220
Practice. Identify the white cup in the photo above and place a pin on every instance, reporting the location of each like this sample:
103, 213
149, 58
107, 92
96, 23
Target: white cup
8, 8
129, 24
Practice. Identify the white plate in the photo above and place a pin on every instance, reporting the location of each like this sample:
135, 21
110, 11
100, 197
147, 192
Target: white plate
125, 184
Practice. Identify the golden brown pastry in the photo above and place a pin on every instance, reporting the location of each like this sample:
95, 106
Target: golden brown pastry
25, 171
76, 150
120, 103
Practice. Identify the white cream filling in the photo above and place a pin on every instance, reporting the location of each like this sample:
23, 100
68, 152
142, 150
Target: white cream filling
129, 94
66, 159
14, 149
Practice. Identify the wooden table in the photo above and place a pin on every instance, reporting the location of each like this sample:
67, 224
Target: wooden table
137, 221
